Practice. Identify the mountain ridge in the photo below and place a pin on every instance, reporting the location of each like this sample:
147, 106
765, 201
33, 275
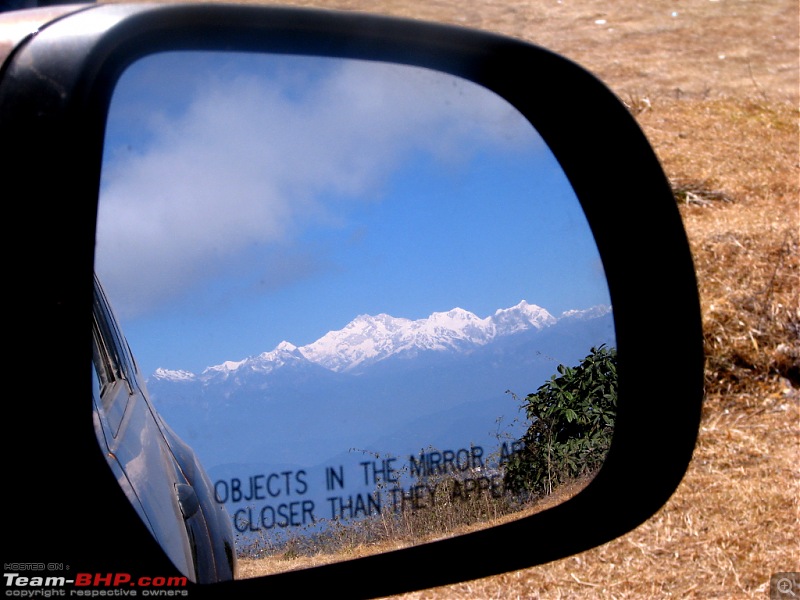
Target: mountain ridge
369, 339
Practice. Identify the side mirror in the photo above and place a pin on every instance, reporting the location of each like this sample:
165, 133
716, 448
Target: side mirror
402, 175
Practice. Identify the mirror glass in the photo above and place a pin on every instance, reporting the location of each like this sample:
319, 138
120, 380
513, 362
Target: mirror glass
341, 281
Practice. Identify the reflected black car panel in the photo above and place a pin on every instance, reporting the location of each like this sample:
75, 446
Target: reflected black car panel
159, 473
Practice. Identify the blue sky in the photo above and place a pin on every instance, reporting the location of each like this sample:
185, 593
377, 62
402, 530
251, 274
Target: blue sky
251, 199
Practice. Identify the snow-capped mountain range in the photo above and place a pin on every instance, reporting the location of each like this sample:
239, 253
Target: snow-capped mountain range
368, 339
383, 384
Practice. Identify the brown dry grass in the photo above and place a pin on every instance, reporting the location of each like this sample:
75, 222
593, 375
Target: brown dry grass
257, 567
714, 84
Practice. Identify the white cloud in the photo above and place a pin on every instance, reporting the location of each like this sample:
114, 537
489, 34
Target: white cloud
252, 162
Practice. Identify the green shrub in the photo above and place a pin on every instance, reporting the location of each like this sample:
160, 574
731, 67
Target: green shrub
572, 420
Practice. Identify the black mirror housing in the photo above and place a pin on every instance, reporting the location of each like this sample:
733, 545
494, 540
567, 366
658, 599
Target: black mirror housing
55, 89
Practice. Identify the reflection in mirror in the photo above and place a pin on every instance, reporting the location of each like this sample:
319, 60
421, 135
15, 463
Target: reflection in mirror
365, 294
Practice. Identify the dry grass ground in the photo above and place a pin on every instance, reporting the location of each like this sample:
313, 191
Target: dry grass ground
714, 84
353, 547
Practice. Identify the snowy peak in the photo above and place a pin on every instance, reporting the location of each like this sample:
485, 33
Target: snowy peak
594, 312
367, 340
449, 330
363, 339
521, 317
172, 375
284, 354
458, 322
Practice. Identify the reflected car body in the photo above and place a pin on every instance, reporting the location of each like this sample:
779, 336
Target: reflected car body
158, 472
